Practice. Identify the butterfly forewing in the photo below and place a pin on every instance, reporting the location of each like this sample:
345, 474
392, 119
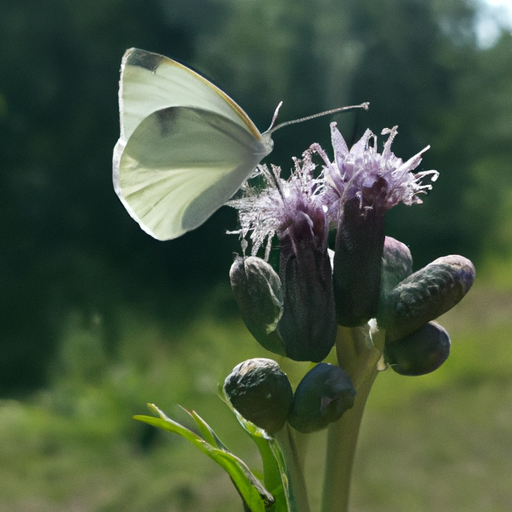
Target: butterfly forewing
151, 82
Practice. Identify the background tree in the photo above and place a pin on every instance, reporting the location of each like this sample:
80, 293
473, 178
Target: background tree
67, 242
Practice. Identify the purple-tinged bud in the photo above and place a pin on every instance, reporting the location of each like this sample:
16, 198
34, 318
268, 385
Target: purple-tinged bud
322, 396
358, 262
308, 325
260, 392
396, 265
419, 353
258, 293
425, 295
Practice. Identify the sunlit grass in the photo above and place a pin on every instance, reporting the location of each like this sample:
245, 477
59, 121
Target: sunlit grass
438, 442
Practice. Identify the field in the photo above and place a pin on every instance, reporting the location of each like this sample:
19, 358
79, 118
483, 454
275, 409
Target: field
439, 442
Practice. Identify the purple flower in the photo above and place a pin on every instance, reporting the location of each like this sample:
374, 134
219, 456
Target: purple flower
377, 180
295, 211
361, 185
281, 205
353, 192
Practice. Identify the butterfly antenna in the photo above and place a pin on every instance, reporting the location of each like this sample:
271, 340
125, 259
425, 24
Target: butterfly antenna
274, 118
273, 128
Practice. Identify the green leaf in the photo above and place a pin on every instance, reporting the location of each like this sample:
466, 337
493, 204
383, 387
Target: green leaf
274, 468
255, 496
274, 475
207, 432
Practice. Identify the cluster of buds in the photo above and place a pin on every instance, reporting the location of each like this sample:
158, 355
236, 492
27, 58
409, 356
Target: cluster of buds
260, 391
295, 311
415, 345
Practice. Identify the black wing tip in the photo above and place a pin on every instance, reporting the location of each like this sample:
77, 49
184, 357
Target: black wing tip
143, 59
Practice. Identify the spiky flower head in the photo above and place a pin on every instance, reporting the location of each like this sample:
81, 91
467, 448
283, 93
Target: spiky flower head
281, 205
377, 180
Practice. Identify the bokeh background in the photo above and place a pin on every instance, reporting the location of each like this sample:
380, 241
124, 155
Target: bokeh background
97, 318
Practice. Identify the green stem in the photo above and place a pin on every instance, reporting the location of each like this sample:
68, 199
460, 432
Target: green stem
358, 354
341, 448
297, 491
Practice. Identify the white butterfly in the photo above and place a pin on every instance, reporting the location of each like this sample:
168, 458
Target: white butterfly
185, 146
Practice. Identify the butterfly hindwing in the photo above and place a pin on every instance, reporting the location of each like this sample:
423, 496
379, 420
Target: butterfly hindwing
172, 189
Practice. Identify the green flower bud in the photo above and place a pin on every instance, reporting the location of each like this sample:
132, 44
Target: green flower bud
419, 353
258, 293
322, 397
260, 392
425, 295
396, 265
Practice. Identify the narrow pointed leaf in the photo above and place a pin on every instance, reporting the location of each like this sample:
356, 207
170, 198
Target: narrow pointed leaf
272, 473
254, 495
206, 431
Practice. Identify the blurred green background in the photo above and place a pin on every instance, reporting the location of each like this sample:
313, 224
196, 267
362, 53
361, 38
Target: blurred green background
97, 318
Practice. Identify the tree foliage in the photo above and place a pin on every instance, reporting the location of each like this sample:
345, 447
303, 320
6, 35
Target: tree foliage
68, 243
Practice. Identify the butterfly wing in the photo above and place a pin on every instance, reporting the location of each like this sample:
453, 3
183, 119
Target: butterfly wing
180, 165
150, 82
185, 146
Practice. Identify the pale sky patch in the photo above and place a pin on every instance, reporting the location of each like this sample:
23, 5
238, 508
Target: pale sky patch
494, 16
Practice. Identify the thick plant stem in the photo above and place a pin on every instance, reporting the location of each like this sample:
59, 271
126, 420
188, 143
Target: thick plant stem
297, 491
358, 351
341, 448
